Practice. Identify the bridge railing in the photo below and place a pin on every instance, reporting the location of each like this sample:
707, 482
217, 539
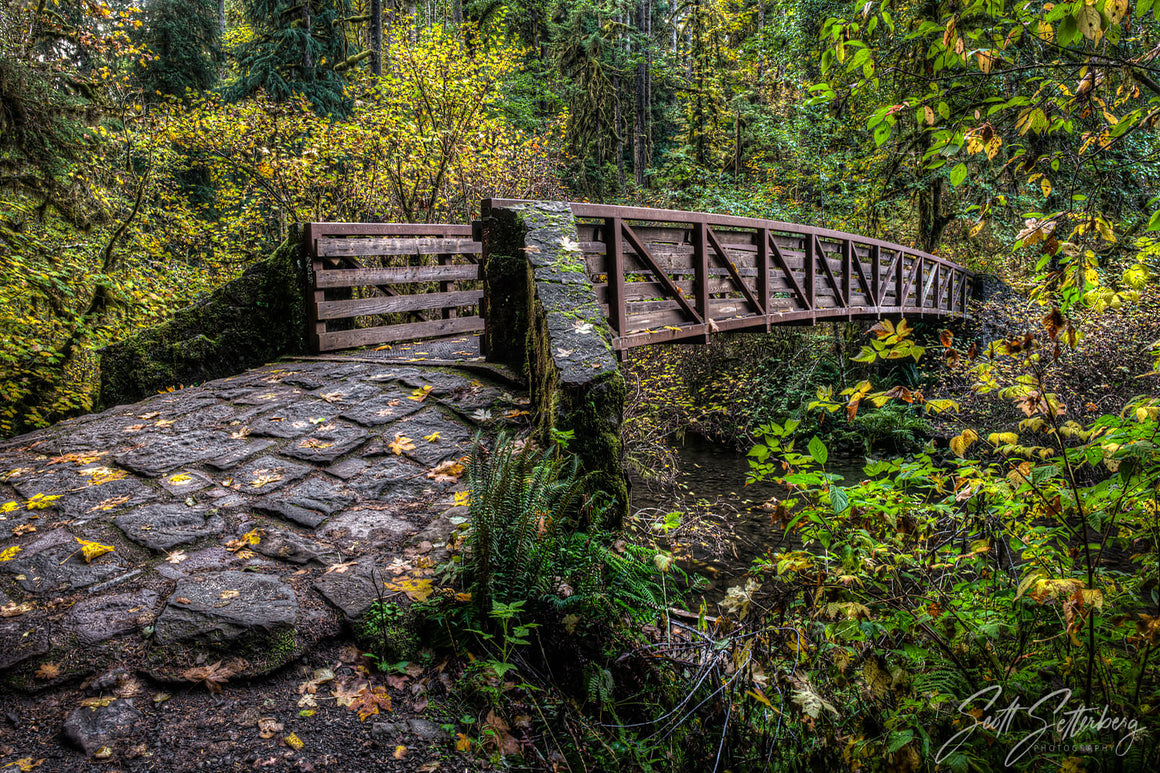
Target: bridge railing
376, 283
666, 275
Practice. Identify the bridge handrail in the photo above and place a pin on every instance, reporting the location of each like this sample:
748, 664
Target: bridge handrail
587, 210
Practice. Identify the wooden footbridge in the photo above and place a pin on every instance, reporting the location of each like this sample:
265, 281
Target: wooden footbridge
660, 275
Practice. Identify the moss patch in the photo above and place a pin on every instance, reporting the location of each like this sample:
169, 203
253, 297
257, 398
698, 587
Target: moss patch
250, 321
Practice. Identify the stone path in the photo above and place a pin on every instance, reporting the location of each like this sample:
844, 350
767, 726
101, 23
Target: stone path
245, 519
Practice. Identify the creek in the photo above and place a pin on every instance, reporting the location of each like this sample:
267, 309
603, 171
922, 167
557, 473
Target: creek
729, 528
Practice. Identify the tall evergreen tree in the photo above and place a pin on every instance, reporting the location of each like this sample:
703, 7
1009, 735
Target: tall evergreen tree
185, 38
298, 47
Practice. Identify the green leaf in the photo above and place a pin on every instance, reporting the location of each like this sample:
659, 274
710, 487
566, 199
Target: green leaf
898, 739
958, 174
881, 133
818, 450
838, 500
1154, 222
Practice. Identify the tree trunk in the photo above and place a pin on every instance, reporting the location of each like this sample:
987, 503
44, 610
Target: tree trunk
376, 41
307, 57
640, 115
931, 220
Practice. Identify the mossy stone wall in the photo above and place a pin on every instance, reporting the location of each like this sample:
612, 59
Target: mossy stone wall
544, 320
250, 321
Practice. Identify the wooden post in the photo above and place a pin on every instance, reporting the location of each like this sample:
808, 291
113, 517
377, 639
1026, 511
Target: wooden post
847, 269
763, 273
701, 273
317, 326
446, 287
811, 268
899, 271
876, 274
614, 266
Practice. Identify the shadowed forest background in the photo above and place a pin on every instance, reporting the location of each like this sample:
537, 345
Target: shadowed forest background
1006, 529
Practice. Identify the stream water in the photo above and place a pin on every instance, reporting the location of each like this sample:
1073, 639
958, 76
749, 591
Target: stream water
715, 475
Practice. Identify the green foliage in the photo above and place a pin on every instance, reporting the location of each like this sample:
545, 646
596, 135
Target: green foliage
1024, 564
184, 38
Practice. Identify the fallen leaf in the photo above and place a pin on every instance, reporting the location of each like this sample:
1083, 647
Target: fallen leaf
12, 609
294, 742
212, 676
229, 594
103, 753
22, 529
446, 472
48, 671
420, 394
176, 557
416, 590
400, 753
91, 550
346, 693
462, 498
400, 444
340, 568
462, 743
109, 504
9, 553
265, 477
25, 764
268, 727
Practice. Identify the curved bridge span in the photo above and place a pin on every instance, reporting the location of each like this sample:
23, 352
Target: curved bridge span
659, 276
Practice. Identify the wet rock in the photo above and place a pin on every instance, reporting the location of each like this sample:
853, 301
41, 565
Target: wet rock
231, 459
21, 638
224, 606
383, 409
391, 477
347, 468
354, 588
161, 527
453, 437
97, 619
161, 454
267, 474
85, 496
308, 504
53, 564
294, 419
91, 727
292, 547
346, 393
421, 729
185, 482
327, 443
442, 382
370, 528
215, 558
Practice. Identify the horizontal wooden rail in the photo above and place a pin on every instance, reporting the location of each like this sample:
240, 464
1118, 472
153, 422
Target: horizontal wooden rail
667, 275
378, 283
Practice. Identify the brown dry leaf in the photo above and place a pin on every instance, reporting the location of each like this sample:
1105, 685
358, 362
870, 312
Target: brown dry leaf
321, 676
24, 528
48, 671
12, 609
103, 753
446, 472
212, 676
413, 670
176, 557
346, 693
268, 727
397, 682
264, 477
430, 767
340, 568
370, 701
109, 504
504, 741
400, 753
182, 600
230, 594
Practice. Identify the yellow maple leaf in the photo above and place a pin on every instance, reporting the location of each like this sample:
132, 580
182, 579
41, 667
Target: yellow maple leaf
420, 394
91, 550
41, 502
401, 443
432, 437
9, 553
416, 590
462, 498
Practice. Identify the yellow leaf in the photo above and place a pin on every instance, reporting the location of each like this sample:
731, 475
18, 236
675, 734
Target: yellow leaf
91, 550
420, 394
41, 502
462, 498
9, 553
416, 590
294, 742
401, 443
1045, 186
462, 743
432, 437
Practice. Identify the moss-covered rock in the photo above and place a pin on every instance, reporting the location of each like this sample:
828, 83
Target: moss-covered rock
544, 318
250, 321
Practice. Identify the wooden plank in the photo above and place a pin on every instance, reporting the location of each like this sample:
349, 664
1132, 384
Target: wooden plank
744, 288
434, 230
811, 266
787, 272
334, 247
630, 235
365, 307
357, 277
763, 272
616, 297
371, 336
